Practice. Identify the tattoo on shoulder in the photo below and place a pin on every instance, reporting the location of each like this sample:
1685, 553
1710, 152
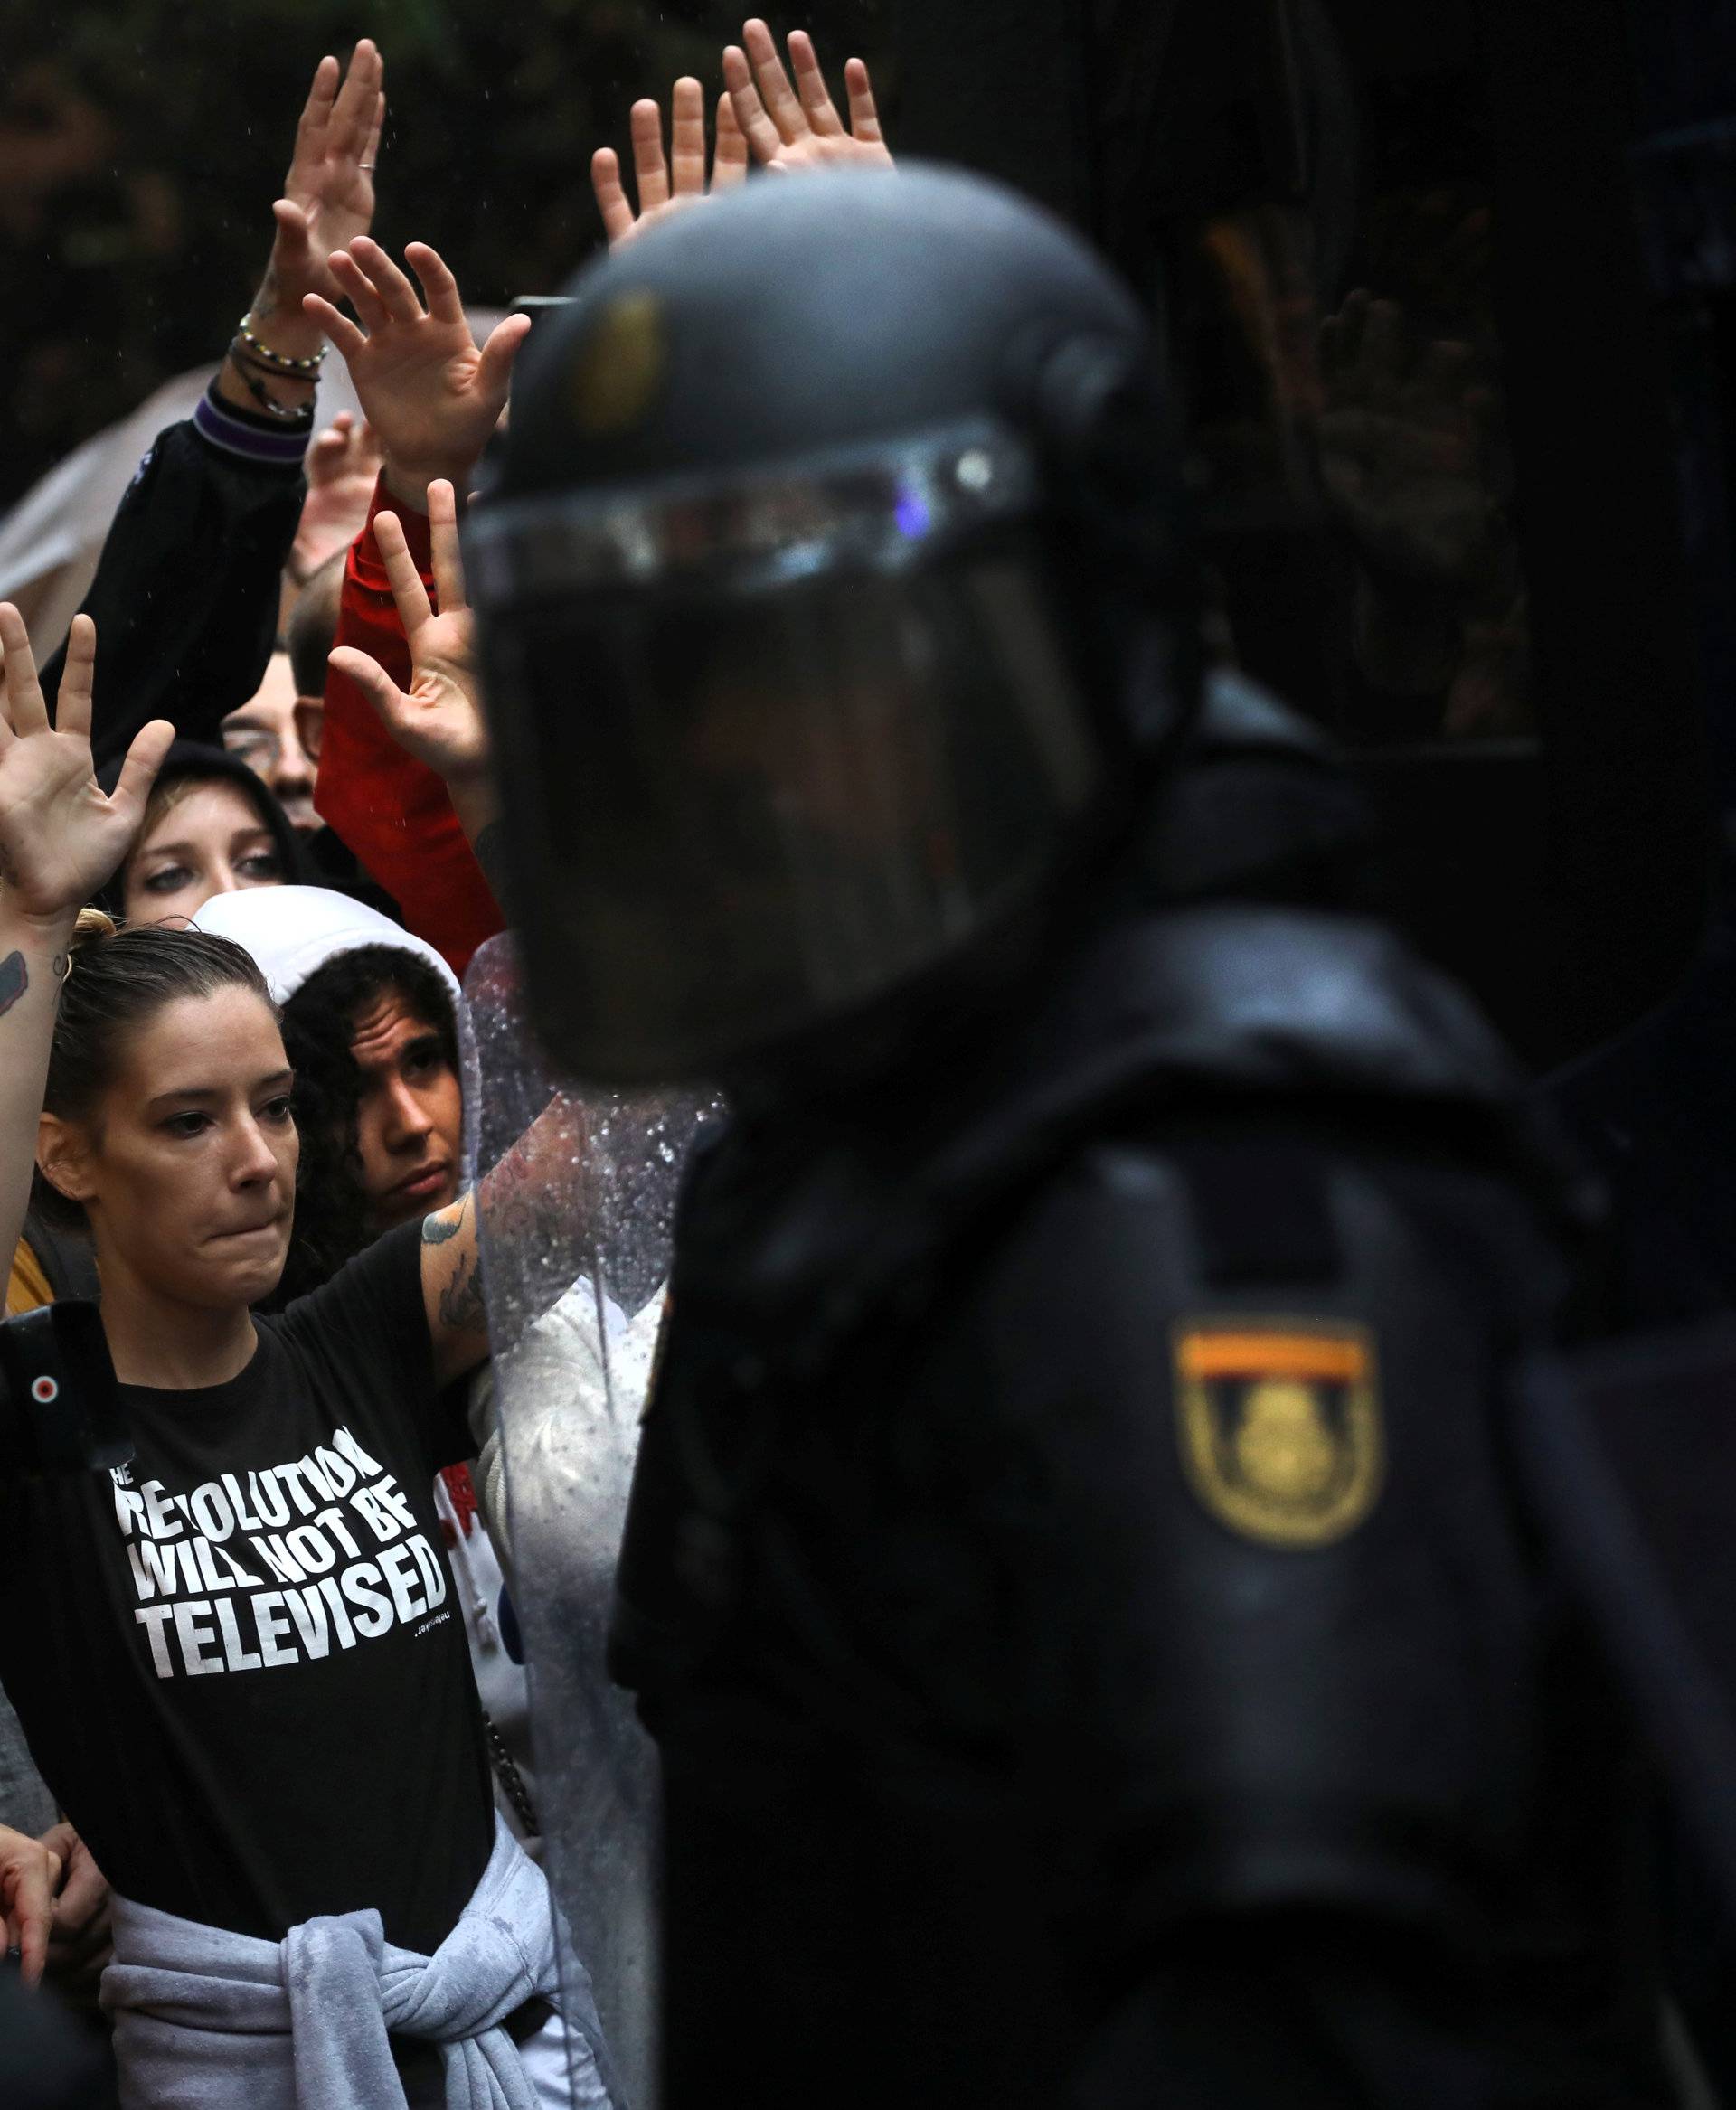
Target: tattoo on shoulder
462, 1306
438, 1229
15, 979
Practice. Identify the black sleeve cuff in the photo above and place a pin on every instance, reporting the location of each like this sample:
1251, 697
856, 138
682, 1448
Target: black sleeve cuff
250, 433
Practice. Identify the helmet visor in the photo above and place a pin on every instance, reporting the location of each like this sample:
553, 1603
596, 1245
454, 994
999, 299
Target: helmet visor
773, 742
734, 818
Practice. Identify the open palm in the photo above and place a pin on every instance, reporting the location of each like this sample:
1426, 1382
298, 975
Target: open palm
670, 186
792, 128
61, 838
328, 194
432, 396
438, 718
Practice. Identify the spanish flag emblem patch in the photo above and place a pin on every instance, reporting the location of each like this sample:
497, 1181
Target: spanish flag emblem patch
1278, 1422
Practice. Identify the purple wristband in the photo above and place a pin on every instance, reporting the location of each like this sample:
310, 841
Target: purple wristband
227, 429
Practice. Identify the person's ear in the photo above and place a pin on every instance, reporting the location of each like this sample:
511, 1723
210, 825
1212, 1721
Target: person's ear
63, 1158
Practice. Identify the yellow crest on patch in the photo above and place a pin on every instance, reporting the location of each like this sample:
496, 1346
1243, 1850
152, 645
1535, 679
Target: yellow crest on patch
618, 366
1279, 1426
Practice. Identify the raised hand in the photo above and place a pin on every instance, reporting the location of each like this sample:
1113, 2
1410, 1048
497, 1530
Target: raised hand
60, 837
1406, 441
440, 721
328, 194
666, 187
430, 393
800, 128
342, 468
328, 199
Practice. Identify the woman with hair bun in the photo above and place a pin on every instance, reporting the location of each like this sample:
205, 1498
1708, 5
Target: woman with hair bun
235, 1659
209, 827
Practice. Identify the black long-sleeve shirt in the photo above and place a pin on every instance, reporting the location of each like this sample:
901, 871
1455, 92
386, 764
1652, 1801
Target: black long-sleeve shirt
185, 595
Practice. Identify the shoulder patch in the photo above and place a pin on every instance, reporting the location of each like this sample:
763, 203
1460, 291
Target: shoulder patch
1278, 1422
618, 364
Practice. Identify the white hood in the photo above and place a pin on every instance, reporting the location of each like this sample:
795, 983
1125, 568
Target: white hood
293, 931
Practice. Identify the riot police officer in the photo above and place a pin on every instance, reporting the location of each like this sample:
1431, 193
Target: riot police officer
1074, 1573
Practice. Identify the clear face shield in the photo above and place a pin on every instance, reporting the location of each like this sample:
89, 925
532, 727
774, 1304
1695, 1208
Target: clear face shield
575, 1266
773, 746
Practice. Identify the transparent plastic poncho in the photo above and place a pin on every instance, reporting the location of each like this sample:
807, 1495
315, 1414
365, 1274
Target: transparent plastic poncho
576, 1273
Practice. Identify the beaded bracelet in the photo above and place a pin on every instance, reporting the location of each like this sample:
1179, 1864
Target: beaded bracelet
250, 376
241, 357
279, 361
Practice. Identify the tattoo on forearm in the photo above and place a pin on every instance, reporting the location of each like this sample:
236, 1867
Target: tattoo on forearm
15, 979
534, 1203
529, 1195
463, 1308
490, 852
438, 1229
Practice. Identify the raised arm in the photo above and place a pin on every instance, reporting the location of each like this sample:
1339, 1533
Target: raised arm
187, 591
785, 127
273, 361
439, 720
432, 396
59, 838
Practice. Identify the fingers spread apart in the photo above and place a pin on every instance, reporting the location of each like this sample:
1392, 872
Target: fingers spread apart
681, 178
390, 285
788, 125
439, 288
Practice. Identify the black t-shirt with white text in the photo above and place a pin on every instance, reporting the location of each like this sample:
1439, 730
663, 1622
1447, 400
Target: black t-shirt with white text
238, 1661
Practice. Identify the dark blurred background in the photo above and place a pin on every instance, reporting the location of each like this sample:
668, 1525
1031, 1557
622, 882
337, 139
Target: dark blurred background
1447, 290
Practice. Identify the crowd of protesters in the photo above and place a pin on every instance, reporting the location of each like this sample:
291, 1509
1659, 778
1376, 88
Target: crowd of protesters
245, 858
271, 1827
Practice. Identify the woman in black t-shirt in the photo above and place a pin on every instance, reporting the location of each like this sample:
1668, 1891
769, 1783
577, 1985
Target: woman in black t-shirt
235, 1659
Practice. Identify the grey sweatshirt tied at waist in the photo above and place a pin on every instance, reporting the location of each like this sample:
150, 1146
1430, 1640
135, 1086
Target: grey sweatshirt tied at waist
205, 2018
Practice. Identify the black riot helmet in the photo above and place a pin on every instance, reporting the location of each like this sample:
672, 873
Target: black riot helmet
834, 609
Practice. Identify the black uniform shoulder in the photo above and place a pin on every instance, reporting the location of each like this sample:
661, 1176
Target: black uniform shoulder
1262, 1374
1258, 807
